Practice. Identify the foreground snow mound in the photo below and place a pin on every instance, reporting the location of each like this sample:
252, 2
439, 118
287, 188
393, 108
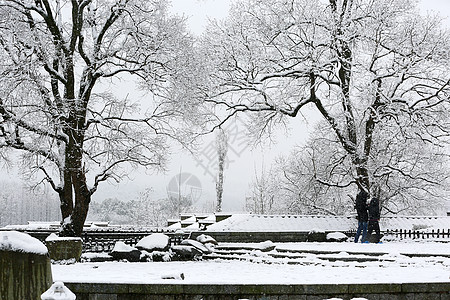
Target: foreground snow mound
21, 242
155, 241
266, 246
58, 291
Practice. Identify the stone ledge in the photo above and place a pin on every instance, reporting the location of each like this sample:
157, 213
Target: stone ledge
426, 287
375, 288
442, 288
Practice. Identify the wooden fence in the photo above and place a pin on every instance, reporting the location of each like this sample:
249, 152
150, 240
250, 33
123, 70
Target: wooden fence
418, 234
98, 241
104, 240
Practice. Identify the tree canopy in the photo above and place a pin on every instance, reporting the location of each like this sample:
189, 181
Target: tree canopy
58, 60
372, 69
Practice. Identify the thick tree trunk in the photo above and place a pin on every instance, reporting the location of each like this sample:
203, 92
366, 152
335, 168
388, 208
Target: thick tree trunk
79, 196
66, 195
73, 224
82, 201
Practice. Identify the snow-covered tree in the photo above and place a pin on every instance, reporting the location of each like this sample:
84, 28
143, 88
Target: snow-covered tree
61, 62
366, 66
408, 176
222, 148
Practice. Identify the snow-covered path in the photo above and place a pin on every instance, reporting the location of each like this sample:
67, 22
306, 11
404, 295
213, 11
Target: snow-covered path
393, 267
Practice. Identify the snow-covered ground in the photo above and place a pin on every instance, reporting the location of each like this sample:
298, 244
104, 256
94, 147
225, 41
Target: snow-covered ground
392, 266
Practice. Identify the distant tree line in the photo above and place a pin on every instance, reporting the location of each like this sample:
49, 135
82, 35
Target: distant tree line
143, 211
20, 204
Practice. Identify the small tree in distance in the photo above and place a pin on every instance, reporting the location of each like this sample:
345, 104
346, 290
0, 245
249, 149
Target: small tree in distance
265, 196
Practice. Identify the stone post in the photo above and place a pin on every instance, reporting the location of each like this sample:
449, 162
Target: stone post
25, 269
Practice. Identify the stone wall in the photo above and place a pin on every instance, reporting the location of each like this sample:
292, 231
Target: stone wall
254, 237
416, 291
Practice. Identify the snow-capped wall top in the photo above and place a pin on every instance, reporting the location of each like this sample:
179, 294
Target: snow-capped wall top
53, 237
425, 223
307, 223
272, 223
21, 242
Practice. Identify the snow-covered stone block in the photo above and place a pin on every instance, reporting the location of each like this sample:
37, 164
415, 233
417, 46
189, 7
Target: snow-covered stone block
21, 242
336, 237
186, 252
124, 251
196, 244
154, 242
266, 246
204, 239
64, 248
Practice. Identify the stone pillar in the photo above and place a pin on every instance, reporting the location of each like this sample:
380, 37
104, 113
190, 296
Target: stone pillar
25, 269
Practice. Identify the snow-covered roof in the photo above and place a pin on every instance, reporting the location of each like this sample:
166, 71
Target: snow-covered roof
273, 223
21, 242
34, 226
416, 222
306, 223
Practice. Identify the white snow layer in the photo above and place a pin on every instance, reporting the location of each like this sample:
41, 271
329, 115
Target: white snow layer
53, 237
21, 242
392, 268
336, 236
